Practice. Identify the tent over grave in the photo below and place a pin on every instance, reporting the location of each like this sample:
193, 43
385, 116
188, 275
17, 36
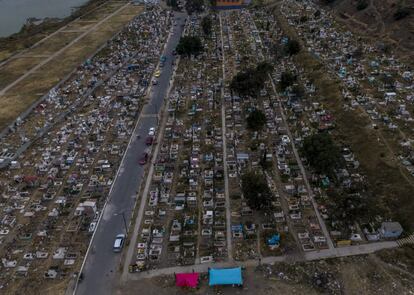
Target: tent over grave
187, 279
225, 276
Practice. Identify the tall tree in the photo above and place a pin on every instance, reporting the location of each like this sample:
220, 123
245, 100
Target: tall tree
256, 191
206, 25
322, 153
189, 45
292, 47
194, 6
256, 120
286, 80
250, 81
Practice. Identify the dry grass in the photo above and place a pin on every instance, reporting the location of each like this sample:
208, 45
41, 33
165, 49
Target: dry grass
26, 92
53, 44
4, 54
391, 189
15, 68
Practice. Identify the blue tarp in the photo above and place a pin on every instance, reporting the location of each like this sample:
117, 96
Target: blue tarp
274, 240
225, 276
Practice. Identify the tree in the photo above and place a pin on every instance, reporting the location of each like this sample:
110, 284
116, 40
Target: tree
298, 91
189, 45
194, 6
322, 153
256, 191
286, 80
206, 25
362, 4
250, 81
256, 120
264, 69
348, 207
172, 3
292, 47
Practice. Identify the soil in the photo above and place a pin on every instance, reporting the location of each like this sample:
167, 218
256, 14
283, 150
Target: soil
352, 275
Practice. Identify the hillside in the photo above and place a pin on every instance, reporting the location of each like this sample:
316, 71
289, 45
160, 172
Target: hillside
389, 21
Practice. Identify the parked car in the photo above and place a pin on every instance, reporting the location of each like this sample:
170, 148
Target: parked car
144, 159
149, 140
119, 243
157, 74
151, 131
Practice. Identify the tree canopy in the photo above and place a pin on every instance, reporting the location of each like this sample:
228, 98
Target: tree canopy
256, 120
250, 81
194, 6
256, 191
189, 45
322, 153
172, 3
206, 25
362, 4
292, 47
402, 12
287, 79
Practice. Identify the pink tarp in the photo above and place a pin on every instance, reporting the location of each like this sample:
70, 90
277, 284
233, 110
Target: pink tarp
186, 279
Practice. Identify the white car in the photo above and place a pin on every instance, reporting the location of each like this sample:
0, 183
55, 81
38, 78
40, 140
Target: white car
151, 131
119, 243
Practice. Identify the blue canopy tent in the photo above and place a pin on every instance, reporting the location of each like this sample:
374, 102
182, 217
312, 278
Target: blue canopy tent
274, 240
225, 276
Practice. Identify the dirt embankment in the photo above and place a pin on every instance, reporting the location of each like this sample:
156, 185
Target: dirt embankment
389, 22
390, 186
387, 272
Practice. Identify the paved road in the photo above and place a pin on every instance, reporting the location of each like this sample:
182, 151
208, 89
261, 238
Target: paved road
102, 264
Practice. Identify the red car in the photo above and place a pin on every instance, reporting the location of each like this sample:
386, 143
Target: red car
149, 140
143, 159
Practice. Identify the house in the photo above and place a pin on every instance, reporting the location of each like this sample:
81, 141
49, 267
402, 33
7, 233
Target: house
391, 230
